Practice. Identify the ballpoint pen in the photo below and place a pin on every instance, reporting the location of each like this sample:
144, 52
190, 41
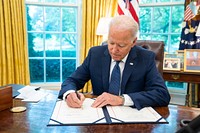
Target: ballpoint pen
78, 95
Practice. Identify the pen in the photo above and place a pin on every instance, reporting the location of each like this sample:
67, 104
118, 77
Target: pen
78, 95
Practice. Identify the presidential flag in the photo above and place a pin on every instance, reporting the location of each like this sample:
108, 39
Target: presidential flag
130, 8
189, 40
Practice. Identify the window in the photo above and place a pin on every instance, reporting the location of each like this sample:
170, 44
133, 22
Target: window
162, 20
52, 28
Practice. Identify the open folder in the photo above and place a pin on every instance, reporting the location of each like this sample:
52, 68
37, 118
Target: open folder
64, 115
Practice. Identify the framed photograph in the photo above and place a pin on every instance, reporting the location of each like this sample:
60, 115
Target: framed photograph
192, 60
170, 55
180, 51
180, 55
171, 64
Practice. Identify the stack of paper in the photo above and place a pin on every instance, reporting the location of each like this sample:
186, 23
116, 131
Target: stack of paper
31, 94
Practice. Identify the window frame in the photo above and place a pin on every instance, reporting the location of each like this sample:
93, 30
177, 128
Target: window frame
56, 85
158, 4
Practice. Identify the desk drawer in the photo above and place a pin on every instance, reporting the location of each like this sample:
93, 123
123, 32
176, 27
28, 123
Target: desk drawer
181, 77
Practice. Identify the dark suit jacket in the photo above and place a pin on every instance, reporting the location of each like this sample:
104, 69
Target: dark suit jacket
141, 79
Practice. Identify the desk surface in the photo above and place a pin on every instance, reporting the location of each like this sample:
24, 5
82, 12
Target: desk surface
37, 115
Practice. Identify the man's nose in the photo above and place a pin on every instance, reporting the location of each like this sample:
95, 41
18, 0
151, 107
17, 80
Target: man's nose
115, 48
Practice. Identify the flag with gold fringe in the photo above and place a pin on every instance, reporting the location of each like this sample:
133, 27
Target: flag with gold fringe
189, 40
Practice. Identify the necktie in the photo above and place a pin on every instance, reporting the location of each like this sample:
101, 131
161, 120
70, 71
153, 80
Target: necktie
115, 80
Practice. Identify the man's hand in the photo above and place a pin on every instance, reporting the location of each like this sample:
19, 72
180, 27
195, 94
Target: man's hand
75, 100
107, 99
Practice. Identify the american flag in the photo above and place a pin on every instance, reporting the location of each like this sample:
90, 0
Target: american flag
129, 7
190, 11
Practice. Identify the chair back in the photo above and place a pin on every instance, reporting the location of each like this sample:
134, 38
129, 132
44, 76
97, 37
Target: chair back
158, 48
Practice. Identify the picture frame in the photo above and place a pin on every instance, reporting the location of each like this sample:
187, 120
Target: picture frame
180, 55
170, 55
192, 60
180, 51
171, 64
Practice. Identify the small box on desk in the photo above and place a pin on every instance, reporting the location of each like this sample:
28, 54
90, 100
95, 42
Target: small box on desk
5, 97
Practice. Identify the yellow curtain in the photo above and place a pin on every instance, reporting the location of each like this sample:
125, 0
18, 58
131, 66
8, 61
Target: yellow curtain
13, 48
92, 11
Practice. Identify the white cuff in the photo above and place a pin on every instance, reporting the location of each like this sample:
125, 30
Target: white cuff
66, 93
127, 100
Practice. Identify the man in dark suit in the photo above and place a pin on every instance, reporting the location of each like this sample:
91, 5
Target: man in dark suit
141, 84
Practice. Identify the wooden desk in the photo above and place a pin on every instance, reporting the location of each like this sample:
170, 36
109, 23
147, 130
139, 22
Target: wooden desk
180, 76
37, 115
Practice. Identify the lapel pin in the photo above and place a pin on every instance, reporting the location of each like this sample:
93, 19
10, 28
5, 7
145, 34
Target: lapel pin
131, 64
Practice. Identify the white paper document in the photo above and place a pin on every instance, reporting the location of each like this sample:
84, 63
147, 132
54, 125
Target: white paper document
120, 114
29, 94
65, 115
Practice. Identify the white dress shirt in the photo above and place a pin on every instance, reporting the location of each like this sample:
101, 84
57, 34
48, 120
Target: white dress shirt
127, 100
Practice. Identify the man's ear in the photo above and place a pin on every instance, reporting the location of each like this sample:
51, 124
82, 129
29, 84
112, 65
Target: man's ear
134, 42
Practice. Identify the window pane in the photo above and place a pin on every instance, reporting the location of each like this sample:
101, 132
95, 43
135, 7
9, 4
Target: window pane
34, 0
175, 40
145, 20
145, 1
69, 42
70, 1
69, 19
35, 45
35, 18
55, 1
52, 45
53, 70
162, 1
52, 18
34, 66
145, 37
68, 67
178, 0
161, 38
177, 21
161, 19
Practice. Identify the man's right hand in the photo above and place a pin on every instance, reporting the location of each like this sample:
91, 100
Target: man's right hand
75, 100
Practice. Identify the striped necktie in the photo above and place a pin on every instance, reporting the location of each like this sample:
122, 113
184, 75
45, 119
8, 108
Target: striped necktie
115, 79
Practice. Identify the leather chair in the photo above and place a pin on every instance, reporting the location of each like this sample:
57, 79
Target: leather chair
156, 46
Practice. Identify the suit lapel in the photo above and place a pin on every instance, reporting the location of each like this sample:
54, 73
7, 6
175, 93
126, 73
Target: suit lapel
128, 68
106, 59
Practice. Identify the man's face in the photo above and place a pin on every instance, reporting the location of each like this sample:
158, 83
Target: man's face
120, 43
